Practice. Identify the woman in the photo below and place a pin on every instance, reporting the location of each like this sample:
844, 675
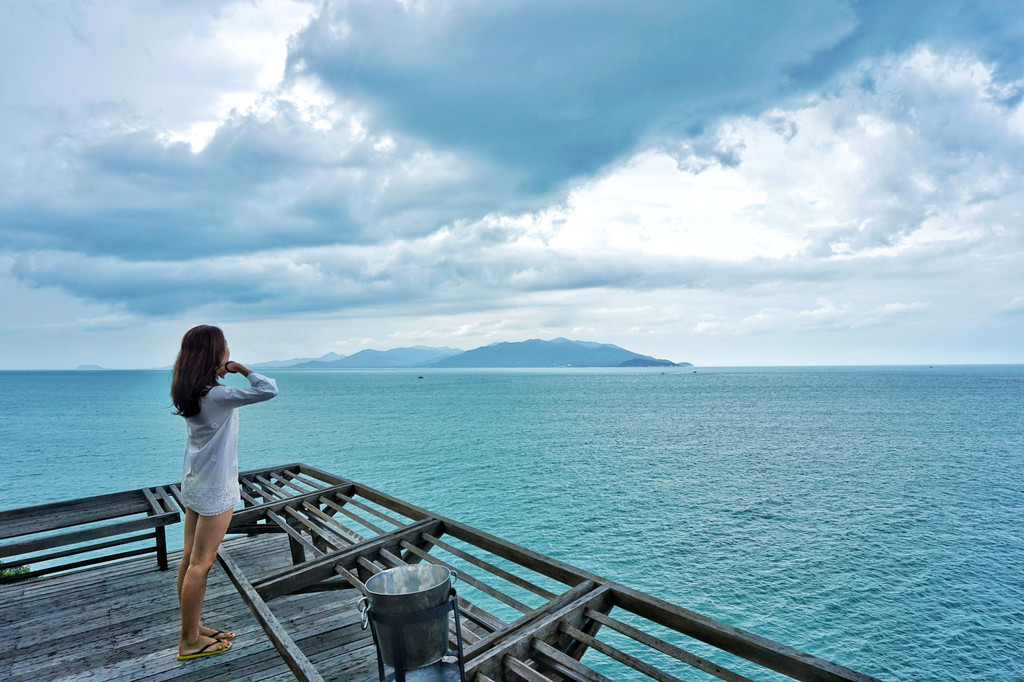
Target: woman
209, 476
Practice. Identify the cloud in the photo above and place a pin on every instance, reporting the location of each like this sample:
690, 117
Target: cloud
277, 215
529, 163
261, 182
174, 65
555, 91
1014, 307
826, 317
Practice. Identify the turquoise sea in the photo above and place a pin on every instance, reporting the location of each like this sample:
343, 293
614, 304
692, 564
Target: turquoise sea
872, 516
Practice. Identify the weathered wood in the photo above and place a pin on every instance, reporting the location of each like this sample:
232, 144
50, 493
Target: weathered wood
544, 565
161, 548
249, 500
388, 502
517, 640
487, 566
297, 661
372, 566
566, 665
168, 504
352, 579
590, 626
260, 489
316, 570
320, 474
296, 541
395, 561
315, 531
529, 620
667, 648
73, 639
161, 537
620, 656
58, 515
372, 510
43, 527
760, 650
151, 498
355, 517
552, 568
252, 514
264, 481
51, 556
176, 493
36, 572
299, 476
288, 481
481, 617
330, 521
524, 671
86, 535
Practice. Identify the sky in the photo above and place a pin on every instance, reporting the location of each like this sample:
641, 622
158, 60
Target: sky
725, 183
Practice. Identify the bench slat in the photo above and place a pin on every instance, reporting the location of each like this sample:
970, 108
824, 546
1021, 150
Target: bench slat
88, 534
56, 515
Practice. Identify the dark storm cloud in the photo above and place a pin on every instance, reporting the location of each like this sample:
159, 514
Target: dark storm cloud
557, 90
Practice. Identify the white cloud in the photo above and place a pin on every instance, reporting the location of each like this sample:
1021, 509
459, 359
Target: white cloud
862, 173
174, 67
1014, 307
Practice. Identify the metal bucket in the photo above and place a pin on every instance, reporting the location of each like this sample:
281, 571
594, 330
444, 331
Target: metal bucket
411, 590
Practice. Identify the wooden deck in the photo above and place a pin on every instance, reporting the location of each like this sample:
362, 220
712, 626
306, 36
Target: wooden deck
290, 577
121, 623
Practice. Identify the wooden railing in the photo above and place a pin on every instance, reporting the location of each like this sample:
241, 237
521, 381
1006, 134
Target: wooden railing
525, 616
90, 526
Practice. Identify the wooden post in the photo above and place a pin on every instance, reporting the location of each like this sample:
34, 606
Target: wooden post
297, 550
161, 548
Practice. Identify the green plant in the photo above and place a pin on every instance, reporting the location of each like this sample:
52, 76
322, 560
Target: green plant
13, 571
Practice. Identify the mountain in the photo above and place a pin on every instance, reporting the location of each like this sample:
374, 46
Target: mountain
279, 364
417, 356
558, 352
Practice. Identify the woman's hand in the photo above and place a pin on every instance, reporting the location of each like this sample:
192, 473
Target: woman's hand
233, 367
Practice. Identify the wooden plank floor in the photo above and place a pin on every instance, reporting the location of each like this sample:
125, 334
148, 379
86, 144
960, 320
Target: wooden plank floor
120, 622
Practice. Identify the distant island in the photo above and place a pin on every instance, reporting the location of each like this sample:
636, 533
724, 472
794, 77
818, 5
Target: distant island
89, 367
534, 353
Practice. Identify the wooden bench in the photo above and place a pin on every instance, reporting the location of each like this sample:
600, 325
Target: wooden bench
84, 526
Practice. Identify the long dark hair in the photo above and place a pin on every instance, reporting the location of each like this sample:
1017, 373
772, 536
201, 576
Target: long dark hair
195, 370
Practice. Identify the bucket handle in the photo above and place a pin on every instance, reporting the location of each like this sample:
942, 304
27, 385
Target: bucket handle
364, 608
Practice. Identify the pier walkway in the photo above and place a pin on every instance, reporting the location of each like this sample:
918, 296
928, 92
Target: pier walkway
290, 575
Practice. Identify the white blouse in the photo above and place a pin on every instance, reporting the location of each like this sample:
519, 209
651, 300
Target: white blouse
209, 476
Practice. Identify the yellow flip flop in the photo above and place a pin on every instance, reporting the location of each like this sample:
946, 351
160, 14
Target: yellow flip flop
221, 639
203, 652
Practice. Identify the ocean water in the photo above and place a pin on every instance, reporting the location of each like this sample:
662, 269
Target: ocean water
871, 516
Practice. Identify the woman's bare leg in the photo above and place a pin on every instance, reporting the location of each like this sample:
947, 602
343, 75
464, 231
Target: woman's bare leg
191, 519
206, 535
190, 533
